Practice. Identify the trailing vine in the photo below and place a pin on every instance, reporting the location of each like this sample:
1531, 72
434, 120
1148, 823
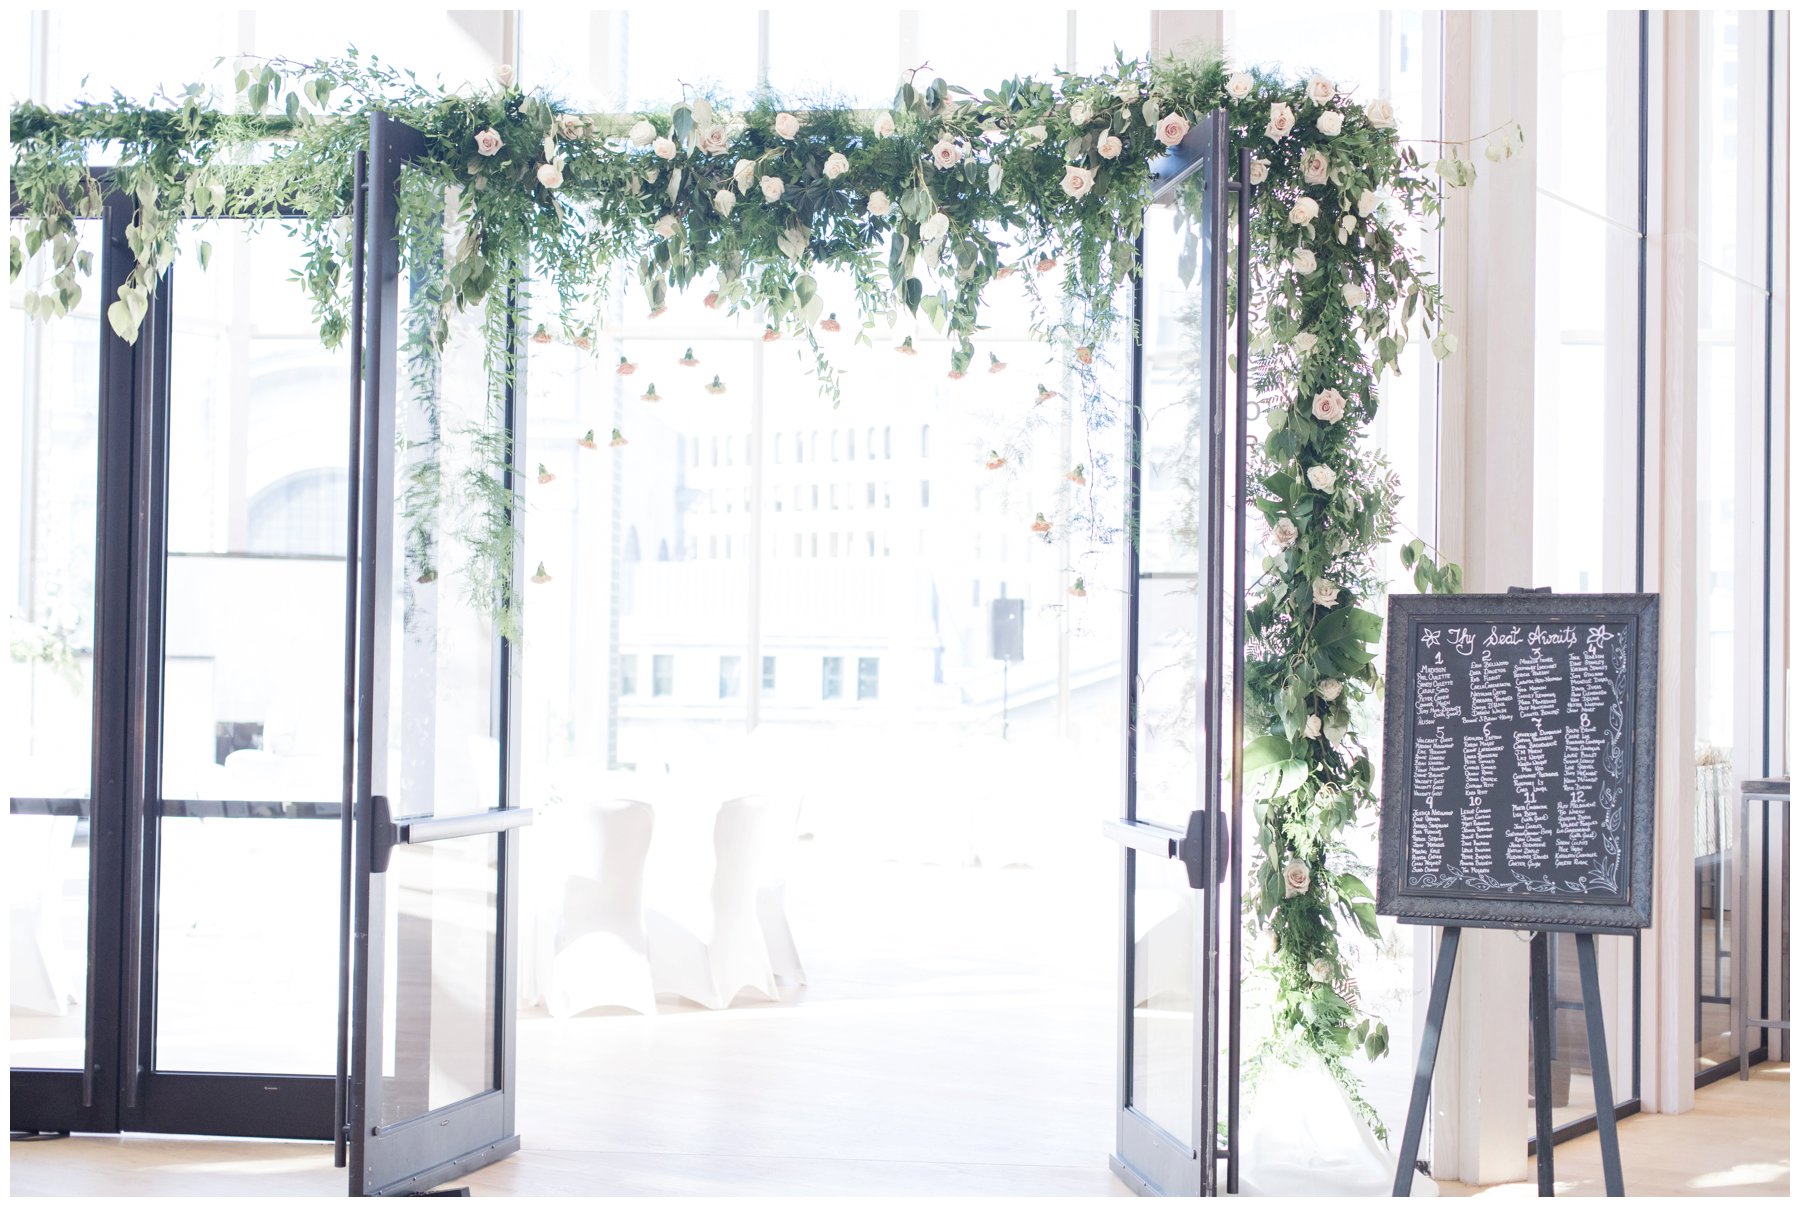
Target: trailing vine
921, 208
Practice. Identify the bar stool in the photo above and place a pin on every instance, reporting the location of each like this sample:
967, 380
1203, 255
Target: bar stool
1769, 792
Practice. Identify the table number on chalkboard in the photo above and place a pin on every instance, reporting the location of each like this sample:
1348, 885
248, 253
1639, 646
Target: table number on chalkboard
1519, 749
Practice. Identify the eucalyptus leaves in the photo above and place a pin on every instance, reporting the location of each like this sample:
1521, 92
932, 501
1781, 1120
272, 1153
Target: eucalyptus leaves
917, 208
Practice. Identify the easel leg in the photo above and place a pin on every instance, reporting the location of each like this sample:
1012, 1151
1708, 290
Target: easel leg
1603, 1093
1541, 1007
1428, 1049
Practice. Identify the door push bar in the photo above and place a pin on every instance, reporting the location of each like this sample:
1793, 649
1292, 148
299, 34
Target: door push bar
408, 831
1189, 846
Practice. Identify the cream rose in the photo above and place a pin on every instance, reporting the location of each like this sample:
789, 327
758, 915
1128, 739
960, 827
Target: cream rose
1355, 295
1284, 532
1034, 133
1325, 592
787, 125
1380, 113
642, 134
1320, 90
1322, 477
1281, 121
1126, 90
772, 188
666, 226
701, 109
934, 227
504, 73
1305, 342
1305, 263
1367, 202
1314, 727
1314, 167
1330, 689
884, 126
743, 172
1331, 123
714, 141
1295, 875
1171, 128
835, 165
550, 175
946, 154
1319, 970
488, 141
1109, 146
1259, 170
879, 205
1238, 86
723, 201
1328, 405
1304, 211
664, 148
571, 126
1077, 182
1080, 114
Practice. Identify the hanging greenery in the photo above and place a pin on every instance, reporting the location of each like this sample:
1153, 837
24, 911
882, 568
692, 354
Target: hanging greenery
919, 208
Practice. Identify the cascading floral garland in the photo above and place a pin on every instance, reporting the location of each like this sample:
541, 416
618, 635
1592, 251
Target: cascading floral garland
920, 208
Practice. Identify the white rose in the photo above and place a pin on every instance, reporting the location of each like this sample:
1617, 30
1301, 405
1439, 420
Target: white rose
1171, 129
504, 73
1305, 342
550, 175
934, 227
1126, 90
884, 126
1281, 121
1331, 123
1077, 182
714, 140
1330, 689
1079, 113
723, 200
1295, 875
879, 204
1367, 202
946, 154
743, 172
1314, 727
571, 126
1259, 170
664, 148
787, 125
642, 134
772, 188
1314, 167
1319, 90
835, 165
1109, 146
1304, 211
1034, 134
1325, 592
1284, 532
1328, 405
1380, 113
488, 141
1238, 86
666, 226
1355, 295
1319, 970
1305, 263
1322, 477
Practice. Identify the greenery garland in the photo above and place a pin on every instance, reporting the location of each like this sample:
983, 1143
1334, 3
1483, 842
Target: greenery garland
921, 207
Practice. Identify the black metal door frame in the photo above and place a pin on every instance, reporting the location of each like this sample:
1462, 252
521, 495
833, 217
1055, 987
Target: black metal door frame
1147, 1157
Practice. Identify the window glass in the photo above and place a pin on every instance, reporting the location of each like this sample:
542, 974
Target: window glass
811, 61
868, 678
831, 680
731, 668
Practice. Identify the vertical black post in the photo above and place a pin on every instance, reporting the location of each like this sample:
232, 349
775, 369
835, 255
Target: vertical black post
1428, 1049
1603, 1093
1239, 502
1541, 1007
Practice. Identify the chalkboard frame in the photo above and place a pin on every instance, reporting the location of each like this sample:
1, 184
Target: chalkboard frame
1518, 913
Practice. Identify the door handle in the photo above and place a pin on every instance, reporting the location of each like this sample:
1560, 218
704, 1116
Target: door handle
1192, 849
389, 833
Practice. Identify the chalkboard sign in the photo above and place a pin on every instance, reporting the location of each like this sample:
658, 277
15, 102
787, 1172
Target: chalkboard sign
1519, 747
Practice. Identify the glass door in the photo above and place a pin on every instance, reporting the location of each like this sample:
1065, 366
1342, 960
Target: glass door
1179, 898
430, 1087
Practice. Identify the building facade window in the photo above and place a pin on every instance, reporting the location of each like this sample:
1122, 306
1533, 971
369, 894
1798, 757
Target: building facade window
731, 676
628, 674
768, 673
662, 675
868, 678
831, 678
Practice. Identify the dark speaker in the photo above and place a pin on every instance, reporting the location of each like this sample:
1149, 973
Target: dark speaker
1008, 630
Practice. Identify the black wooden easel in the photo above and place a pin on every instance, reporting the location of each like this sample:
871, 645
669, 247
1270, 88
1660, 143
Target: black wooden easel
1541, 1007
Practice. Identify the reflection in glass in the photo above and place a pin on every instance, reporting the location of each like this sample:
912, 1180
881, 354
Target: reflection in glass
46, 742
1162, 1005
438, 1004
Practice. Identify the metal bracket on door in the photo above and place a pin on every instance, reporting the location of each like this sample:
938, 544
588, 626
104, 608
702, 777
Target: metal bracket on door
389, 833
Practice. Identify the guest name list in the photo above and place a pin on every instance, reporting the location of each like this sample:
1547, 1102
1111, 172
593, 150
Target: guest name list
1517, 758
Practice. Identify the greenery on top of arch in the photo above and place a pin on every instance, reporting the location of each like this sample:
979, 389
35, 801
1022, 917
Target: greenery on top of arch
919, 208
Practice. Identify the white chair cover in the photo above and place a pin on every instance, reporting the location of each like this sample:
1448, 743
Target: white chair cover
707, 947
600, 947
